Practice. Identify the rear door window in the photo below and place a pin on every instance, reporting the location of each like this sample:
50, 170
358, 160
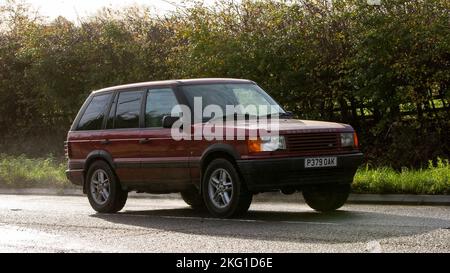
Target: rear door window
128, 109
94, 114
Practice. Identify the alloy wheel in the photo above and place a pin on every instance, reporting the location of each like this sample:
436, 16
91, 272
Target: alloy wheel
100, 186
220, 188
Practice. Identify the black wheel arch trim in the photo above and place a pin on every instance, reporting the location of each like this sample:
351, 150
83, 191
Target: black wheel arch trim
220, 147
99, 154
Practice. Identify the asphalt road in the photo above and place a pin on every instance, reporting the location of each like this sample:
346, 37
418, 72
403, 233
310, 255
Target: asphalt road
30, 223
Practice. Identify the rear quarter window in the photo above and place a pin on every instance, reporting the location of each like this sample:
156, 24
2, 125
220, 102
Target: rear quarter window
92, 118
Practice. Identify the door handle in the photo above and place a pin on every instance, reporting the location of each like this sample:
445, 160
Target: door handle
144, 140
105, 142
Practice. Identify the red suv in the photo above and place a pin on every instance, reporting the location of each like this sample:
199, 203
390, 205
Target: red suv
123, 140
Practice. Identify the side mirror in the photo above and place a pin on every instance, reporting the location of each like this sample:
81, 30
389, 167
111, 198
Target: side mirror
168, 121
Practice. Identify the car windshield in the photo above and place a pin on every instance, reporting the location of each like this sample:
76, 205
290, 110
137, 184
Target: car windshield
232, 99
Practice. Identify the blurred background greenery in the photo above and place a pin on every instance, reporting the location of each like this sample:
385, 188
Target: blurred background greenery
383, 69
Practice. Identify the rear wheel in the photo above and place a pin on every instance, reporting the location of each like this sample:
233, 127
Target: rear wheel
193, 198
327, 198
103, 189
224, 193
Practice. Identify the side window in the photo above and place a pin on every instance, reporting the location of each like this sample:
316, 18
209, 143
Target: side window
128, 109
159, 104
92, 118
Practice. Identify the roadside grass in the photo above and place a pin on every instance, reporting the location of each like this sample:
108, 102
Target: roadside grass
24, 172
432, 180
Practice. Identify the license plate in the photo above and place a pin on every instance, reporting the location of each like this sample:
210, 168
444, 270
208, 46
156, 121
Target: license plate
318, 162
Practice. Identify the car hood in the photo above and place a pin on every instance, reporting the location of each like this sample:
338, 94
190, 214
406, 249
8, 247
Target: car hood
286, 125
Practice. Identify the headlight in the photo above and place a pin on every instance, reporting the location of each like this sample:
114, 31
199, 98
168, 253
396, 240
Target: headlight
272, 143
267, 144
348, 140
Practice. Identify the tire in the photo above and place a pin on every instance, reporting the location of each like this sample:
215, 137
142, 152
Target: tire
327, 198
116, 198
221, 176
193, 198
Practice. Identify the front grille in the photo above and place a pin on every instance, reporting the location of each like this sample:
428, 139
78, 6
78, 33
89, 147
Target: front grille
313, 142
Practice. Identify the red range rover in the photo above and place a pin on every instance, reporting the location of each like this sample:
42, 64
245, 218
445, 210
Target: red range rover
122, 140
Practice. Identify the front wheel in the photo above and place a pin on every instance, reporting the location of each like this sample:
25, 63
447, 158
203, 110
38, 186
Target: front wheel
224, 193
327, 198
103, 189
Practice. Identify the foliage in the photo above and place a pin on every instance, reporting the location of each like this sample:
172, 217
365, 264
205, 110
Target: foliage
383, 69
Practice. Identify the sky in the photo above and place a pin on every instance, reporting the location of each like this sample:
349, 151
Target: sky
72, 9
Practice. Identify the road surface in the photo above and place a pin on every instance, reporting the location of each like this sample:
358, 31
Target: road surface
30, 223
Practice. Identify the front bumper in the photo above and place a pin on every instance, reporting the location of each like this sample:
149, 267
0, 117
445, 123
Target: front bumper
281, 173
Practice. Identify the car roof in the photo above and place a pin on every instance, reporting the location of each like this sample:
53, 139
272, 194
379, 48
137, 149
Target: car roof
174, 82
